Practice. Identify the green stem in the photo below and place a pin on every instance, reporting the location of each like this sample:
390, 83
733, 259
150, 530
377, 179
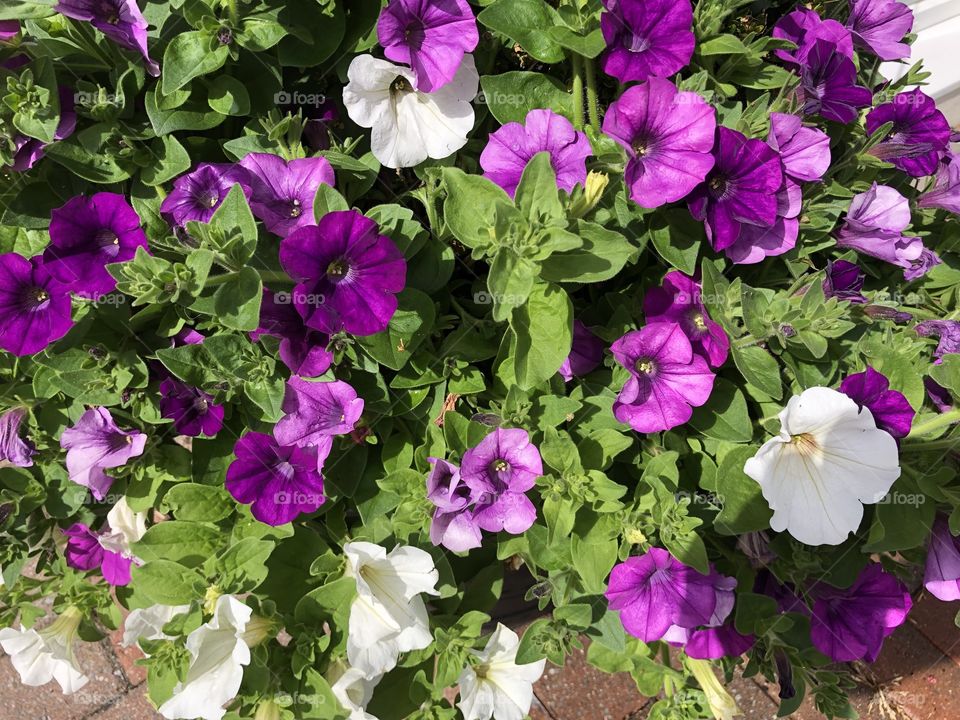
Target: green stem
232, 11
578, 92
268, 276
933, 424
593, 107
915, 447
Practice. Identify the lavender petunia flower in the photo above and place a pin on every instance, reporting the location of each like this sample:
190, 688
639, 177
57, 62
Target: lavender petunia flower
302, 350
283, 192
680, 300
187, 336
454, 524
851, 624
879, 26
805, 27
919, 135
196, 195
828, 84
86, 235
668, 136
713, 643
844, 281
30, 150
430, 36
890, 409
947, 330
586, 353
316, 411
119, 20
278, 482
191, 409
741, 189
805, 151
13, 449
95, 443
646, 38
456, 530
34, 308
942, 576
348, 274
945, 192
512, 146
939, 395
667, 380
445, 488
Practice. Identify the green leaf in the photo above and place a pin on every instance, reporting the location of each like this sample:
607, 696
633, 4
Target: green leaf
511, 95
189, 543
472, 207
192, 501
759, 368
743, 508
236, 303
228, 96
170, 159
589, 45
537, 196
408, 327
189, 55
260, 32
510, 280
166, 582
723, 45
676, 237
526, 21
603, 254
188, 116
544, 332
725, 415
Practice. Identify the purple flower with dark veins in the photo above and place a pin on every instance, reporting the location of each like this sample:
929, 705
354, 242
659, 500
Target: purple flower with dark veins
454, 524
119, 20
878, 26
754, 243
283, 192
30, 150
805, 151
302, 349
919, 135
949, 333
586, 353
844, 281
805, 27
35, 309
680, 299
13, 449
890, 409
95, 443
191, 409
316, 411
646, 38
942, 576
196, 195
828, 84
945, 192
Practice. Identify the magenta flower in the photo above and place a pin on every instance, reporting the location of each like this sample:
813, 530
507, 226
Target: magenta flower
668, 136
512, 146
680, 300
942, 576
805, 151
34, 308
646, 38
187, 336
938, 395
316, 411
431, 36
844, 281
754, 243
86, 235
13, 449
828, 84
30, 150
500, 470
348, 274
851, 624
945, 192
878, 26
278, 482
741, 189
805, 27
119, 20
890, 409
586, 353
302, 350
196, 195
454, 524
919, 135
191, 409
283, 192
667, 380
85, 552
9, 29
947, 330
94, 444
713, 643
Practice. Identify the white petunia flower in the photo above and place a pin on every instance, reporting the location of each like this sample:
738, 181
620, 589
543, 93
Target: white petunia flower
496, 687
45, 655
827, 462
388, 616
147, 623
409, 126
353, 689
218, 653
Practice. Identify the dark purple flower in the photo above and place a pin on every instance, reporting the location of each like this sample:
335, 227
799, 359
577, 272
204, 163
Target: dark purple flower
431, 36
942, 575
919, 135
680, 299
586, 353
316, 411
890, 409
879, 26
851, 624
319, 118
34, 307
741, 189
119, 20
278, 482
302, 350
887, 313
945, 192
844, 281
754, 243
667, 380
196, 195
95, 443
828, 84
512, 146
191, 409
30, 150
805, 27
805, 151
13, 449
83, 550
668, 136
947, 330
86, 235
938, 395
713, 643
646, 38
283, 192
9, 29
348, 274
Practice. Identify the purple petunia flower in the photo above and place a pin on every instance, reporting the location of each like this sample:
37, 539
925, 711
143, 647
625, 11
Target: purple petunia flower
512, 146
741, 189
95, 443
667, 380
31, 150
500, 470
348, 274
13, 449
942, 575
947, 330
668, 136
278, 482
187, 336
646, 38
586, 353
454, 524
851, 624
319, 118
805, 151
938, 394
302, 350
844, 281
756, 243
828, 84
86, 235
713, 643
34, 308
283, 192
919, 135
879, 26
805, 27
890, 409
191, 409
945, 192
680, 300
9, 29
431, 36
84, 551
196, 195
119, 20
316, 411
